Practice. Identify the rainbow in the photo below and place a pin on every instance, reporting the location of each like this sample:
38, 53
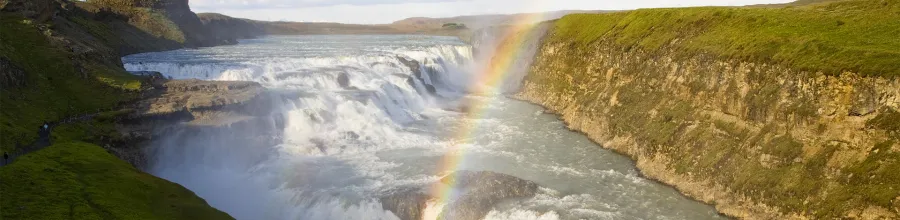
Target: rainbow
487, 83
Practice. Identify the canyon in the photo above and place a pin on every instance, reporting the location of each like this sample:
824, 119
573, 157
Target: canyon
795, 126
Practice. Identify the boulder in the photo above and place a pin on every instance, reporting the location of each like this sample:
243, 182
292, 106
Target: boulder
481, 191
407, 204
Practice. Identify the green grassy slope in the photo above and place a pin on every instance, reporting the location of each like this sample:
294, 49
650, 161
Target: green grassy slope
54, 87
82, 181
857, 36
74, 179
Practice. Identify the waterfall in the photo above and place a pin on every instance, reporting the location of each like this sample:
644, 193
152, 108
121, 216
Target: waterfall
361, 124
313, 157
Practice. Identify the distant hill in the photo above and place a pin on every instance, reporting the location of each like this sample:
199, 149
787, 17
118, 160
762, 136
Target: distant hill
235, 28
288, 28
795, 3
476, 21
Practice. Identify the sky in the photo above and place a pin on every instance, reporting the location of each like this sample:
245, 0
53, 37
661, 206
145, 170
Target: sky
387, 11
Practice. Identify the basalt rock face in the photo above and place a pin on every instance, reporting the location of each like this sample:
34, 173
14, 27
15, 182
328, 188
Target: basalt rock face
759, 141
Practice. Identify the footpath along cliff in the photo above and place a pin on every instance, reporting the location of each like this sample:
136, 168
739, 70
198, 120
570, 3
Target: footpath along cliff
766, 113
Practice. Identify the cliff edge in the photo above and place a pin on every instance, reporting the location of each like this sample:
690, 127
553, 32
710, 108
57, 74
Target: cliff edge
790, 113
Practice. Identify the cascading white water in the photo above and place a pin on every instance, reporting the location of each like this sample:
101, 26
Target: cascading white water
363, 116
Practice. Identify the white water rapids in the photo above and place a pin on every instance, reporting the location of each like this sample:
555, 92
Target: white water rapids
331, 150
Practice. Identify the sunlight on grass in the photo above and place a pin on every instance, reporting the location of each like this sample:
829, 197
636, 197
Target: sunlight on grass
844, 36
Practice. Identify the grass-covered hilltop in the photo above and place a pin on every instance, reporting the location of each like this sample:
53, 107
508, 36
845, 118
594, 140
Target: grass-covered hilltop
767, 112
852, 36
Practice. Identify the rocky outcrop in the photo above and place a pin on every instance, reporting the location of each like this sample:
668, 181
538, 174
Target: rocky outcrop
200, 102
175, 105
406, 204
479, 192
196, 34
757, 140
417, 71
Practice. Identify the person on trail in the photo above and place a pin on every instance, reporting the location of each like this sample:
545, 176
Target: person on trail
5, 158
44, 132
47, 131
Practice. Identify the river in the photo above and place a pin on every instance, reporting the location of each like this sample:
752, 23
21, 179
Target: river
362, 123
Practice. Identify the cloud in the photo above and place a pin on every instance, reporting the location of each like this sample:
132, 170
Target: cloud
386, 11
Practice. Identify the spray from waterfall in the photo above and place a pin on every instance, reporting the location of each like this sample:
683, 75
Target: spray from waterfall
314, 156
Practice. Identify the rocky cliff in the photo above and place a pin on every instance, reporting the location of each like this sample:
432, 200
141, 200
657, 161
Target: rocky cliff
185, 26
715, 107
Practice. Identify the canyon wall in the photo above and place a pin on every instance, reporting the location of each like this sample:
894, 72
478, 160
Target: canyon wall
759, 139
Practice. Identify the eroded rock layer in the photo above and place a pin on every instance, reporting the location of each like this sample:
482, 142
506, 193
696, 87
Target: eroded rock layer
759, 141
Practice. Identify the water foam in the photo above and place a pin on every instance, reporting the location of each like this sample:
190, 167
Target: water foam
319, 161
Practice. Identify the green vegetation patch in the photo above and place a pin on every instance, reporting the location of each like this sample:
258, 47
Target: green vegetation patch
785, 147
842, 36
876, 177
55, 88
82, 181
888, 121
454, 26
